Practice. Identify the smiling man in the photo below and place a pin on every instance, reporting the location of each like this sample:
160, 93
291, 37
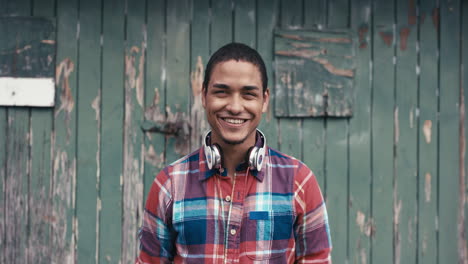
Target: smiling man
235, 200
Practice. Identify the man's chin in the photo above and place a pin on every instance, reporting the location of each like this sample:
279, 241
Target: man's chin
233, 142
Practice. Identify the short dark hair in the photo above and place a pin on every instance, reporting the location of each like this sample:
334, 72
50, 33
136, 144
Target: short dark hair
238, 52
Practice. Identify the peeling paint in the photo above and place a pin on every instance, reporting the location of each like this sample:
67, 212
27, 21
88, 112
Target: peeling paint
411, 118
427, 186
366, 227
62, 75
363, 30
153, 158
387, 37
363, 256
427, 130
404, 34
435, 18
197, 113
397, 205
412, 16
462, 247
396, 123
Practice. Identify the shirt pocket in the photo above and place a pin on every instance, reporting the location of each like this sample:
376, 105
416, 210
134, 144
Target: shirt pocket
267, 234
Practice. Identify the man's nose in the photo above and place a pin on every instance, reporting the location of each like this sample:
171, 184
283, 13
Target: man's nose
235, 105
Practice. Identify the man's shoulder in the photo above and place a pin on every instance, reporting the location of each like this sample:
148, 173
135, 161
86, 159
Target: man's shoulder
278, 156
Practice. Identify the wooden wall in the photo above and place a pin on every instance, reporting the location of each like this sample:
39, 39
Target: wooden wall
74, 177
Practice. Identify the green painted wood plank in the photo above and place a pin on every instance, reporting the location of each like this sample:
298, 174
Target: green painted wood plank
315, 11
428, 134
135, 50
88, 129
464, 82
448, 129
360, 226
406, 103
64, 135
155, 91
17, 175
336, 159
313, 128
3, 171
178, 74
221, 24
244, 22
382, 131
41, 169
267, 19
111, 135
199, 54
290, 130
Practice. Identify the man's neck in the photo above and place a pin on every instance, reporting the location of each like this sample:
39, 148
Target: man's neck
233, 155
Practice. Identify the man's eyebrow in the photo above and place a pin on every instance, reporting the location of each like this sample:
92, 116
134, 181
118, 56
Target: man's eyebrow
250, 87
221, 86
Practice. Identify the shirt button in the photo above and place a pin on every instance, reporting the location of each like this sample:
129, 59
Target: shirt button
233, 232
228, 198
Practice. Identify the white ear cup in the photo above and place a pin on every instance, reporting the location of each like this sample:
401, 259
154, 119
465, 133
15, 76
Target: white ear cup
213, 153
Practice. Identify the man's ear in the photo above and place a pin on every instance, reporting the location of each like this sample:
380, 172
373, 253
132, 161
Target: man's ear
203, 96
266, 100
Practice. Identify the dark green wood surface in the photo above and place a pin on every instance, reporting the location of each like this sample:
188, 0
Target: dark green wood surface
64, 140
383, 87
428, 134
75, 177
449, 29
109, 229
406, 104
88, 103
40, 194
133, 160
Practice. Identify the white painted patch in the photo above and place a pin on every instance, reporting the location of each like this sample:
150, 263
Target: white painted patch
27, 91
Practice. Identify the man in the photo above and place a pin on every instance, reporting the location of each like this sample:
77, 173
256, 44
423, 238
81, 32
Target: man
235, 200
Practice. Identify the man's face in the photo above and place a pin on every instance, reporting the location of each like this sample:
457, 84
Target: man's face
234, 102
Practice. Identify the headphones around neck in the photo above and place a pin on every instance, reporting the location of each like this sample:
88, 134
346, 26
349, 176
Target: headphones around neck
214, 154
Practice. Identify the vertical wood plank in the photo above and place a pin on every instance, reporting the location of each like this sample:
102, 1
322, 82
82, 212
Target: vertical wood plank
3, 164
41, 169
448, 129
244, 22
290, 130
360, 223
18, 169
267, 19
178, 74
135, 52
221, 24
313, 128
199, 54
464, 83
336, 158
109, 204
88, 129
382, 130
155, 90
428, 133
406, 102
64, 135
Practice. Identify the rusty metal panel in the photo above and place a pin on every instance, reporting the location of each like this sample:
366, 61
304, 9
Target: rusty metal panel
314, 73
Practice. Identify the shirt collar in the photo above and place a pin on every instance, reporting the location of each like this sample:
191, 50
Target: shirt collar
205, 173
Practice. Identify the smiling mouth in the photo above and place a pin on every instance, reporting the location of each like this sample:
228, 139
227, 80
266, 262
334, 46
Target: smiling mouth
234, 121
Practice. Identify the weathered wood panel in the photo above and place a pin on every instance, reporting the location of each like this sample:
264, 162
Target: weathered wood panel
449, 30
133, 163
267, 18
406, 103
40, 196
382, 107
290, 130
428, 133
64, 136
88, 129
337, 162
155, 90
109, 204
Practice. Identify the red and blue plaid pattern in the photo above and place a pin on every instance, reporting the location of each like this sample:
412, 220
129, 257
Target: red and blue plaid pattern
277, 214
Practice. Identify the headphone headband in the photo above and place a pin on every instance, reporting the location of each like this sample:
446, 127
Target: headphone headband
214, 156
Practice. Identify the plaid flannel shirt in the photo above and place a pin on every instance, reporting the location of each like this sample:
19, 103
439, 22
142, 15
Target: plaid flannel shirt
197, 215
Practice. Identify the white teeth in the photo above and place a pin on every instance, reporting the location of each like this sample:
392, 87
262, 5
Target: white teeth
234, 121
